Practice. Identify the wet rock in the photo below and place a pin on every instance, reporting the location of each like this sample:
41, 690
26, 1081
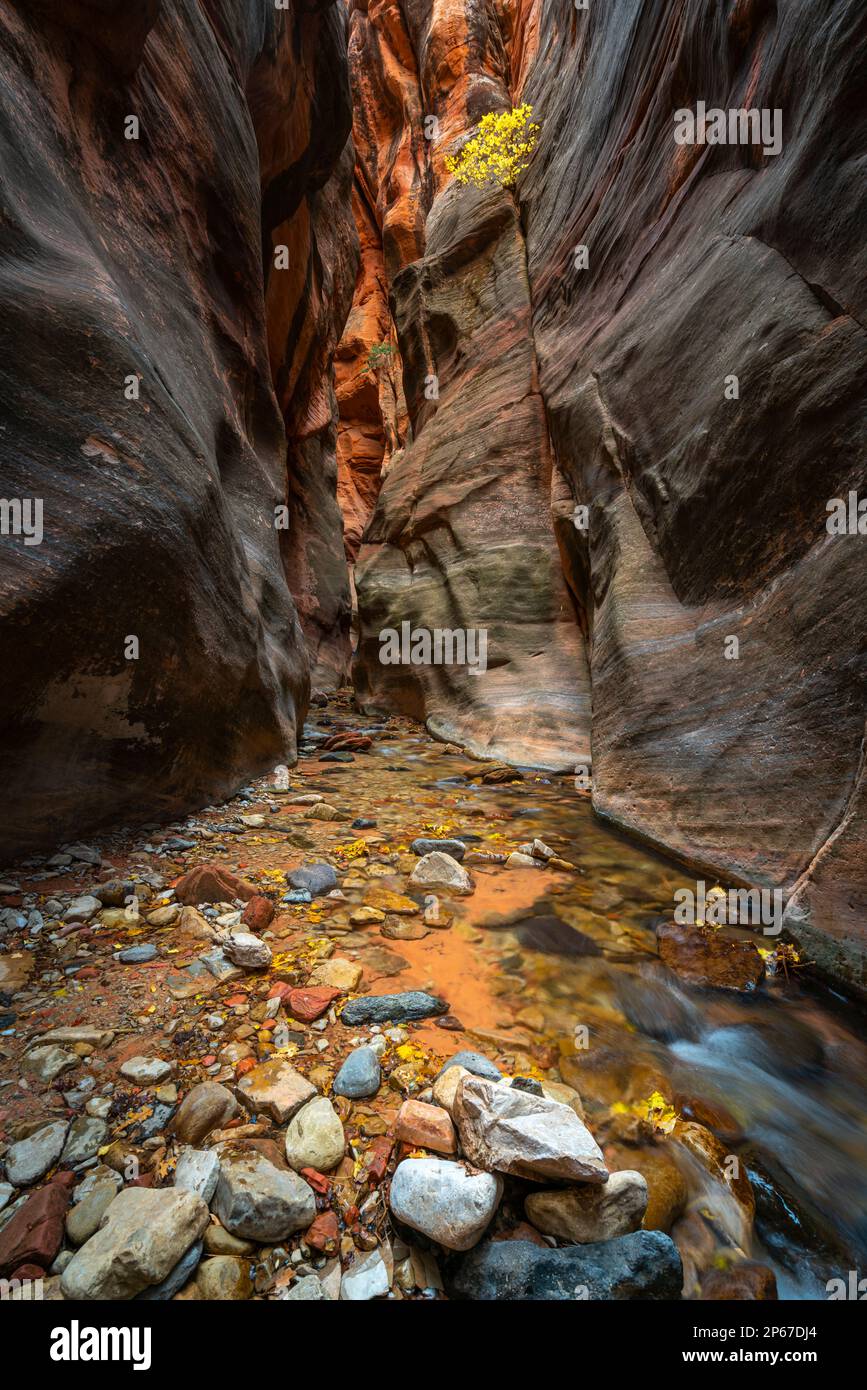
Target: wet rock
258, 914
206, 1107
209, 883
145, 1233
444, 1201
426, 1127
438, 870
475, 1062
145, 1071
276, 1088
552, 936
526, 1135
82, 909
85, 1138
247, 951
198, 1170
368, 1277
385, 900
403, 929
258, 1201
307, 1289
137, 955
445, 1087
34, 1232
225, 1277
704, 956
315, 878
643, 1265
84, 1218
310, 1003
47, 1063
315, 1138
658, 1009
584, 1215
30, 1158
393, 1008
456, 849
337, 973
667, 1192
359, 1075
165, 916
175, 1279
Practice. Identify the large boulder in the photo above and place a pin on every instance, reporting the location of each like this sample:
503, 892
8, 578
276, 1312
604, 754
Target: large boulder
144, 1234
644, 1265
258, 1201
514, 1131
444, 1200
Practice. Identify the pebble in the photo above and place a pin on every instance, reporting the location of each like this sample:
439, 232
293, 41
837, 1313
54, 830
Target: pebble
137, 955
145, 1071
275, 1087
438, 870
30, 1158
456, 849
314, 1137
248, 951
360, 1074
198, 1170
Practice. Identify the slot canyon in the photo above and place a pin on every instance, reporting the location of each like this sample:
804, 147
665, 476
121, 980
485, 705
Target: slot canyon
433, 650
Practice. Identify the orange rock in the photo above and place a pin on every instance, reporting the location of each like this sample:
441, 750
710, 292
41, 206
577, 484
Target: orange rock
259, 913
209, 883
324, 1234
426, 1126
311, 1003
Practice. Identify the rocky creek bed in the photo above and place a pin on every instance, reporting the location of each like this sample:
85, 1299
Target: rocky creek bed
397, 1023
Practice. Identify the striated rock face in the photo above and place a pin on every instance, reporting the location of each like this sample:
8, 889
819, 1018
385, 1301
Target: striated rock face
609, 388
707, 515
137, 401
461, 536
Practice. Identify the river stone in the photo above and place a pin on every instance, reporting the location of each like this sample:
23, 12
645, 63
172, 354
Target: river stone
445, 1088
85, 1138
393, 1008
247, 951
30, 1158
276, 1088
307, 1289
359, 1076
47, 1063
444, 1201
176, 1278
643, 1265
96, 1037
219, 1241
456, 849
367, 1278
258, 1201
137, 955
225, 1278
438, 870
583, 1215
144, 1233
705, 956
207, 1106
84, 1218
145, 1071
529, 1136
314, 1137
475, 1062
315, 878
197, 1171
82, 909
337, 973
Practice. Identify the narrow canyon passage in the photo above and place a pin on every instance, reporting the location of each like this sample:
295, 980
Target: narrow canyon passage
433, 651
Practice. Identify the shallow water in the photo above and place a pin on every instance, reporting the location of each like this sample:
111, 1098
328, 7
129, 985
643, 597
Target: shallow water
535, 955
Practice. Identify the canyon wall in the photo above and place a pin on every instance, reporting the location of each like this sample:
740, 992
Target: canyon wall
151, 654
713, 624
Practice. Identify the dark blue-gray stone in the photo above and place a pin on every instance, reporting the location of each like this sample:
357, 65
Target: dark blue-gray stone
394, 1008
644, 1265
316, 878
359, 1076
475, 1062
174, 1282
137, 955
456, 848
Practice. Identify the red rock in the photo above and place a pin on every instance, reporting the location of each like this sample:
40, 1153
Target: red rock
426, 1126
208, 1061
246, 1064
704, 956
31, 1272
324, 1233
318, 1181
209, 883
311, 1003
378, 1156
35, 1233
279, 990
259, 913
236, 1000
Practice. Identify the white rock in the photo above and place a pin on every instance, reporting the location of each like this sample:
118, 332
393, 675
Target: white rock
145, 1071
444, 1201
315, 1138
198, 1170
513, 1131
439, 870
27, 1160
247, 951
369, 1277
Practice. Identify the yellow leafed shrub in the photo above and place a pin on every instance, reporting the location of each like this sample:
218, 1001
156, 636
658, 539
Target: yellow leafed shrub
499, 150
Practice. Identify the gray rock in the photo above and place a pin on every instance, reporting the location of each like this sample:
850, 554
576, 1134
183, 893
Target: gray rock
82, 909
86, 1136
644, 1265
529, 1136
587, 1214
145, 1071
174, 1282
444, 1201
198, 1170
27, 1160
367, 1278
314, 1137
438, 870
316, 878
393, 1008
144, 1234
83, 1220
47, 1063
137, 955
247, 951
456, 848
475, 1062
360, 1074
257, 1201
305, 1290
